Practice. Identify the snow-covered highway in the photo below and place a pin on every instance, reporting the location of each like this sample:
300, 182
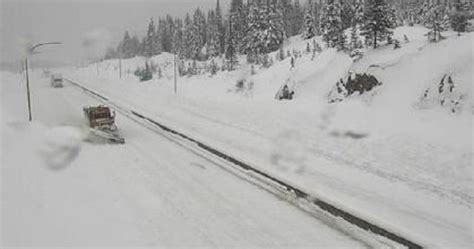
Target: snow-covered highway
59, 190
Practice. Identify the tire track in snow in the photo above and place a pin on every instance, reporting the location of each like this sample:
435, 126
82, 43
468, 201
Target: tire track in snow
262, 176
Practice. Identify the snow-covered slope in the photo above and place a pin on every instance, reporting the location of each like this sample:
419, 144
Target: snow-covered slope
382, 155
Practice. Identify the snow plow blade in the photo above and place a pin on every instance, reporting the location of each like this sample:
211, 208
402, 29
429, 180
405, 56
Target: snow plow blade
108, 135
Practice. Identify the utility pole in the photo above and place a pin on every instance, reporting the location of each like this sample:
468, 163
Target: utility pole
175, 51
120, 65
175, 76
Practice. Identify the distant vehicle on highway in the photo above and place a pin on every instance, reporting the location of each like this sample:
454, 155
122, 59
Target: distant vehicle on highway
57, 80
46, 73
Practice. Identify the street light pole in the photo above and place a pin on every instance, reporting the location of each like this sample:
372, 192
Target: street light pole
30, 52
28, 90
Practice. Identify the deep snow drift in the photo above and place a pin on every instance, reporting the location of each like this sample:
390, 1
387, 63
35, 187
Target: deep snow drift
385, 155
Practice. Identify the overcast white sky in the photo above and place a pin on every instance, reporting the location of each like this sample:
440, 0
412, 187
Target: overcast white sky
71, 21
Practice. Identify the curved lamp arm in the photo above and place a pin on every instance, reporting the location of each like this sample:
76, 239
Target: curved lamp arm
32, 48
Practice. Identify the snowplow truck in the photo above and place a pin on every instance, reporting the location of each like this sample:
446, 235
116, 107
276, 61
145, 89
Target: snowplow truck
101, 121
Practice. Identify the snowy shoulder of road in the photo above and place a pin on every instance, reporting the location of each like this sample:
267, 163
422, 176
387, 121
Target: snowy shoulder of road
391, 156
60, 187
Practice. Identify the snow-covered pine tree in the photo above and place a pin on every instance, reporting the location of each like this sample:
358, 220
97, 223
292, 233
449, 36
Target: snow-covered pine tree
251, 41
143, 46
134, 46
393, 18
178, 45
358, 12
286, 9
164, 32
413, 12
317, 15
230, 51
239, 20
355, 42
220, 27
151, 44
296, 18
459, 17
111, 53
188, 36
425, 11
124, 46
199, 21
274, 32
194, 36
377, 22
309, 27
212, 44
331, 25
265, 32
347, 14
436, 22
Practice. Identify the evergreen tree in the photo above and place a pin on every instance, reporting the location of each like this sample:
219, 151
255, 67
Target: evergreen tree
317, 15
296, 18
124, 46
178, 41
358, 13
111, 53
220, 27
231, 51
377, 22
392, 17
436, 22
151, 44
459, 17
200, 23
237, 17
286, 10
134, 46
355, 42
143, 45
309, 27
197, 35
425, 10
188, 37
331, 25
265, 31
347, 14
129, 46
212, 45
164, 32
